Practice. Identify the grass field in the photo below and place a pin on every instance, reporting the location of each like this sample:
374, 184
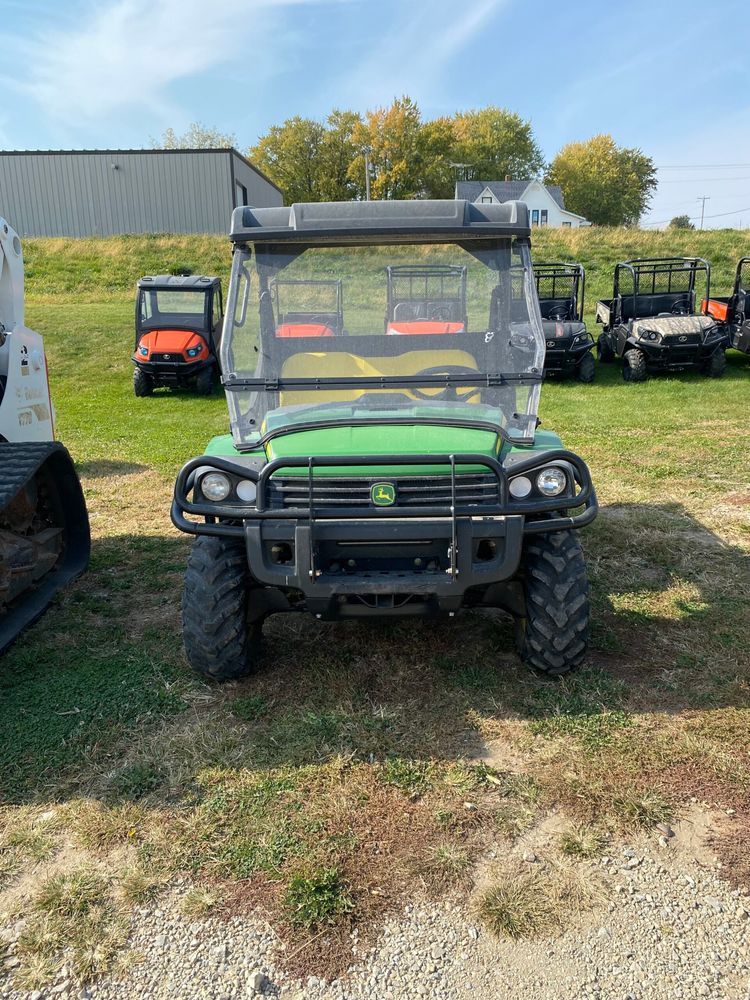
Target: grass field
362, 764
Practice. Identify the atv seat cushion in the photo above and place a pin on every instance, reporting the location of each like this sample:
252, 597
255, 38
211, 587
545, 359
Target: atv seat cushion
423, 326
304, 330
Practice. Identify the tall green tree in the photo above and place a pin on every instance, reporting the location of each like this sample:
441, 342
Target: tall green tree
195, 136
495, 144
291, 154
610, 185
681, 222
394, 138
310, 160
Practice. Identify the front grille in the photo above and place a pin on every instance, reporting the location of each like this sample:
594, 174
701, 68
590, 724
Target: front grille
411, 491
172, 356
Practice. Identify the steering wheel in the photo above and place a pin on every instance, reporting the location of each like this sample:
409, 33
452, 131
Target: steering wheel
679, 309
438, 312
558, 313
449, 392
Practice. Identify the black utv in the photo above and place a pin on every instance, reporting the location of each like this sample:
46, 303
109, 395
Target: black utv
561, 289
652, 323
733, 312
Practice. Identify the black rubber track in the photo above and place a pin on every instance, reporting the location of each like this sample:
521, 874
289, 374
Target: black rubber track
634, 366
219, 642
556, 628
21, 462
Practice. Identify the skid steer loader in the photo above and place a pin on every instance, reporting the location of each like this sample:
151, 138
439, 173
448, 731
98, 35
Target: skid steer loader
44, 529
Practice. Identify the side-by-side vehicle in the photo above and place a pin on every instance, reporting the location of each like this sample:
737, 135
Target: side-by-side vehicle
561, 288
178, 323
652, 322
383, 470
733, 311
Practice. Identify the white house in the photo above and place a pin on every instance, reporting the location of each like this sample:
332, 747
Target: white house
545, 201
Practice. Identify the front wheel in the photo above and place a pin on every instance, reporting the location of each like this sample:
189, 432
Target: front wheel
634, 366
604, 351
221, 642
143, 384
716, 364
586, 369
204, 382
553, 636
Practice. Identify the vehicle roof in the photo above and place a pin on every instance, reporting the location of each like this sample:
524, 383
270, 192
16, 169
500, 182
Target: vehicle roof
177, 281
378, 221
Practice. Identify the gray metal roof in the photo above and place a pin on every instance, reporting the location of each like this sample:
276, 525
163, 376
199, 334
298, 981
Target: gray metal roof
504, 190
379, 220
150, 152
177, 281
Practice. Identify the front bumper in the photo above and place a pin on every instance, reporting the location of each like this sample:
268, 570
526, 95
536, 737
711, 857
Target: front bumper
172, 372
678, 352
350, 562
564, 359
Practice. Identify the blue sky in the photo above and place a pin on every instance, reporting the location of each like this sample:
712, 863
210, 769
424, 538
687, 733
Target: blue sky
660, 74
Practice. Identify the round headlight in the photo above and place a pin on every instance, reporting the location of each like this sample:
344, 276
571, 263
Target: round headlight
551, 482
520, 487
216, 486
246, 490
143, 351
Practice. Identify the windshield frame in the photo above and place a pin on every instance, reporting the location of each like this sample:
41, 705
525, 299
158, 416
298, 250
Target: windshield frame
244, 266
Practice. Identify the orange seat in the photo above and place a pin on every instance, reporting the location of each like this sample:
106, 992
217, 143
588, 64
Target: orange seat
304, 330
424, 326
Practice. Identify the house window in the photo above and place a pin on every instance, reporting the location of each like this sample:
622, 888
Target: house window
241, 194
487, 199
535, 217
566, 225
544, 217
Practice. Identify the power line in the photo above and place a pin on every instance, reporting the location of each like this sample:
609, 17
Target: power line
701, 166
716, 215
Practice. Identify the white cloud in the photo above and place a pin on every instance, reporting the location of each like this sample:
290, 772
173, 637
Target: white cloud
416, 54
125, 53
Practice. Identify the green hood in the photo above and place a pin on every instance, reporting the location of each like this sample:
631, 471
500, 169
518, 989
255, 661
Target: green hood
380, 439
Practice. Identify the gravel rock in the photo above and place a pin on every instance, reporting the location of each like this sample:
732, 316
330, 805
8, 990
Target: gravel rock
658, 936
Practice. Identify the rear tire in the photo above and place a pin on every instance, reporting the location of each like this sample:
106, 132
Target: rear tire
204, 382
603, 351
553, 636
634, 366
586, 369
716, 364
220, 642
143, 384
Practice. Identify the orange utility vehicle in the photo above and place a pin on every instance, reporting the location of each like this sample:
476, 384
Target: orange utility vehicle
178, 323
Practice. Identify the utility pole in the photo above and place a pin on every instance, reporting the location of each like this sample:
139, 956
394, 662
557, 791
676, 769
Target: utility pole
367, 150
703, 199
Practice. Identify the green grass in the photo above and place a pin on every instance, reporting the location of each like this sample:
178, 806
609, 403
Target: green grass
342, 778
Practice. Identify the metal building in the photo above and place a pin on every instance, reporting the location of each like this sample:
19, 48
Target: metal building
105, 192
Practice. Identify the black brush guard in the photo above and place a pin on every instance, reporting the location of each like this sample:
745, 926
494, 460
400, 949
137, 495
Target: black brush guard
459, 529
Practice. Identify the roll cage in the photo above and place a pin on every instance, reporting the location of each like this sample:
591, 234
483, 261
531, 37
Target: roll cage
657, 286
426, 293
561, 288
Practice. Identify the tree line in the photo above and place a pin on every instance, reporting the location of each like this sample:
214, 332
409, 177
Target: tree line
413, 157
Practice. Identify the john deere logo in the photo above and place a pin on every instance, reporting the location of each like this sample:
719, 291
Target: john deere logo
383, 494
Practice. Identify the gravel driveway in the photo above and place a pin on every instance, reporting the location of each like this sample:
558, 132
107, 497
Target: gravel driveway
670, 927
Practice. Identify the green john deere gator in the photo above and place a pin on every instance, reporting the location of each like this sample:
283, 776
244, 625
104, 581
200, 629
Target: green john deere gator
383, 364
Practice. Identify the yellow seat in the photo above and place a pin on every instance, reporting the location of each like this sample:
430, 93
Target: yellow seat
343, 364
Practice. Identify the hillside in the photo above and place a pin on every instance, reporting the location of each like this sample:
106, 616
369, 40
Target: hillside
109, 268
